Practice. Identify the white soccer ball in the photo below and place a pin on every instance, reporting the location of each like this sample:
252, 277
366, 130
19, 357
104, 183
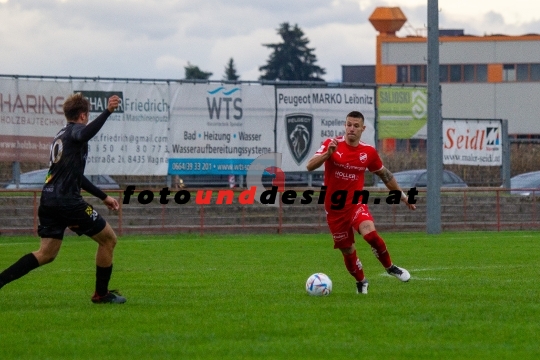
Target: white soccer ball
319, 284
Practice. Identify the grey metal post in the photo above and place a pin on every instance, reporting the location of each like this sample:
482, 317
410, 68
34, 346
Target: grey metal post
16, 172
434, 123
505, 167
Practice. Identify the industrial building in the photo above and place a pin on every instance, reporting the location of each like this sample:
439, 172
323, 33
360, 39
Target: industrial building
493, 76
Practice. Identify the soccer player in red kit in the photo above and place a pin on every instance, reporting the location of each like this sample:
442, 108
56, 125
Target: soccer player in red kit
345, 160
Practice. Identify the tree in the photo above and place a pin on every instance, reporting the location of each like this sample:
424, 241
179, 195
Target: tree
292, 59
194, 73
230, 71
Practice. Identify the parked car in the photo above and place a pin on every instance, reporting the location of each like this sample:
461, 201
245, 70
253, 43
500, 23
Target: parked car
299, 179
34, 180
291, 180
524, 184
418, 178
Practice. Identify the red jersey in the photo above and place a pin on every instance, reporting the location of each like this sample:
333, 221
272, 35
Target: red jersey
345, 168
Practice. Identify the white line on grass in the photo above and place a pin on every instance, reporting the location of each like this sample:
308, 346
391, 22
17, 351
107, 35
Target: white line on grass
416, 277
469, 267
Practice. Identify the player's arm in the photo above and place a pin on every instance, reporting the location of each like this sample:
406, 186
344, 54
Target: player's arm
390, 181
92, 189
318, 159
90, 130
111, 202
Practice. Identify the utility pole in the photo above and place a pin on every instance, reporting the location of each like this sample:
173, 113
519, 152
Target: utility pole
434, 123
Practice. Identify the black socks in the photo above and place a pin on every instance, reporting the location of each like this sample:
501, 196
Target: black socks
103, 275
22, 267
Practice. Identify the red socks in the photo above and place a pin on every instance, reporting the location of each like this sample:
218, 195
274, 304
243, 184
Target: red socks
379, 248
354, 266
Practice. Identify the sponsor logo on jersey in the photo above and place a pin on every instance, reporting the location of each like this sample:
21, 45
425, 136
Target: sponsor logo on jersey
349, 166
345, 175
340, 236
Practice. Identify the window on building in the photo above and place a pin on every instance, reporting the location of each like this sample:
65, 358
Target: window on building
535, 72
468, 73
416, 73
522, 73
411, 73
447, 73
455, 73
443, 73
403, 74
481, 73
509, 72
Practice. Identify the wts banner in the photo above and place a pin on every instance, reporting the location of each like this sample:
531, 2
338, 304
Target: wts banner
308, 116
219, 129
402, 113
472, 142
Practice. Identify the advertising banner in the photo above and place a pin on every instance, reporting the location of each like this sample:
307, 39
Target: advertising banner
219, 129
401, 112
133, 141
472, 142
308, 116
30, 116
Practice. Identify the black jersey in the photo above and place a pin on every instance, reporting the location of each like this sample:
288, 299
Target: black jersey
69, 150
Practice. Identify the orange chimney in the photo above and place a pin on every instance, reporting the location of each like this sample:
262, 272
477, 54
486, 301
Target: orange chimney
387, 20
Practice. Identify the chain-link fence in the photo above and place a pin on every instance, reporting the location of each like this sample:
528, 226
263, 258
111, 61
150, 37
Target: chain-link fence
412, 154
408, 155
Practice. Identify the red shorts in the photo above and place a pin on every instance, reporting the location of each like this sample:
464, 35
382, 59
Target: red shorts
343, 224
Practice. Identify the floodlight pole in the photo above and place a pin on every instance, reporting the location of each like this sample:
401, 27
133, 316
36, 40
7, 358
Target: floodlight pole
434, 123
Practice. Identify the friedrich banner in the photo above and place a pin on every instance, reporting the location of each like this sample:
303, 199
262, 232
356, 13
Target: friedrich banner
134, 139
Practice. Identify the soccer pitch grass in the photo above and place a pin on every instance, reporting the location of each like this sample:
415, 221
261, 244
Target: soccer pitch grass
472, 295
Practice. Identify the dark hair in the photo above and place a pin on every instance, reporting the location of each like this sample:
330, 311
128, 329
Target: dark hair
356, 114
74, 106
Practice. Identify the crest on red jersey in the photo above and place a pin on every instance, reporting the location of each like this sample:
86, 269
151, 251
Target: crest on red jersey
363, 157
299, 134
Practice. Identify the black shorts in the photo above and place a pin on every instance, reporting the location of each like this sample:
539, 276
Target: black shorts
81, 218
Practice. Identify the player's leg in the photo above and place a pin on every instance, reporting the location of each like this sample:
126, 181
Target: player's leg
47, 252
354, 266
51, 231
343, 236
363, 223
90, 223
378, 246
106, 240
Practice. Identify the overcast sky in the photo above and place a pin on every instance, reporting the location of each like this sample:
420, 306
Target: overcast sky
156, 39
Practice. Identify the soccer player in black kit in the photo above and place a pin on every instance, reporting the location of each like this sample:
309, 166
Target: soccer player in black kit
62, 205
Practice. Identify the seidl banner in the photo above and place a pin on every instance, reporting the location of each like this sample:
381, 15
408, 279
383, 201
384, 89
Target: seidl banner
472, 142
